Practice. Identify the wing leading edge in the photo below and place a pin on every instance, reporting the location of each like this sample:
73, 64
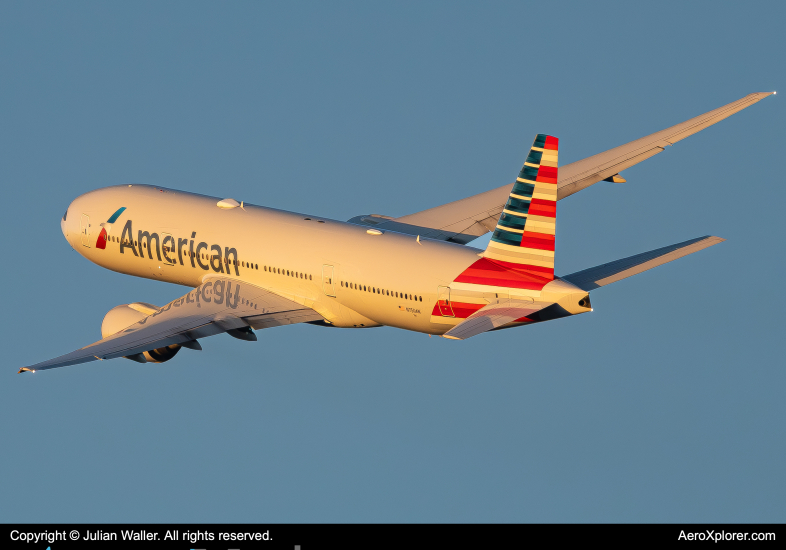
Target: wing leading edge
218, 305
466, 219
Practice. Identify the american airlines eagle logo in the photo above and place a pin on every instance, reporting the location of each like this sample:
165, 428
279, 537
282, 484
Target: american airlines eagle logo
101, 242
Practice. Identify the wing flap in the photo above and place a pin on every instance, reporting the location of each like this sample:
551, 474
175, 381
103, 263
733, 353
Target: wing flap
602, 275
218, 305
493, 316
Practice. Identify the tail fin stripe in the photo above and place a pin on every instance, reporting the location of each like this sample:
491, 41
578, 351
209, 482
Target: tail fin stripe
540, 244
506, 237
518, 205
522, 244
540, 224
523, 188
547, 172
534, 156
528, 173
512, 219
540, 207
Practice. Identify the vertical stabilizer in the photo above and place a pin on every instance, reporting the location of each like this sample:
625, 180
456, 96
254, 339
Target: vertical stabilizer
524, 237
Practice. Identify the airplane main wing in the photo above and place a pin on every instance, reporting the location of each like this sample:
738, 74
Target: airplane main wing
219, 305
466, 219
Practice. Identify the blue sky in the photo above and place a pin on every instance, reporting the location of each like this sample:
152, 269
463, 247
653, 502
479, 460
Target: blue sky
664, 404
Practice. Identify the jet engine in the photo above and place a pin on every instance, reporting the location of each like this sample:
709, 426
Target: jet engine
125, 315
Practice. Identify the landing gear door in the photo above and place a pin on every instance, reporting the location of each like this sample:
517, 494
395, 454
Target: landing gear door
328, 286
84, 225
443, 301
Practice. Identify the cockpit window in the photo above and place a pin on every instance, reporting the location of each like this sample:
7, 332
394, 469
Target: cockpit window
65, 215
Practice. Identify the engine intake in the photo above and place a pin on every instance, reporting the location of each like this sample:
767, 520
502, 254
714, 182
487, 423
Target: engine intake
123, 316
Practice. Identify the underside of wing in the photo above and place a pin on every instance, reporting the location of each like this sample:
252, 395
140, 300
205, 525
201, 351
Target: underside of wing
602, 275
494, 316
466, 219
218, 305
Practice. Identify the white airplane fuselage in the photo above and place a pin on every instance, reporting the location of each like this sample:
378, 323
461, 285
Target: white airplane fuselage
347, 273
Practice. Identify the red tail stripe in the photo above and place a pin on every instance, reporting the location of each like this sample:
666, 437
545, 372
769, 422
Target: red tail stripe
493, 273
538, 243
540, 207
518, 267
547, 171
551, 143
532, 284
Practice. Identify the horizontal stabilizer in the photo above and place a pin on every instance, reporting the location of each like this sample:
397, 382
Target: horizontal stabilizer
602, 275
493, 316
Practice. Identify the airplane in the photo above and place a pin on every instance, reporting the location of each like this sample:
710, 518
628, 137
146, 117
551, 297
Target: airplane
253, 267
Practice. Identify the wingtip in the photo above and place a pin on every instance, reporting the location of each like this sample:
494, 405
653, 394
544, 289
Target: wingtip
24, 369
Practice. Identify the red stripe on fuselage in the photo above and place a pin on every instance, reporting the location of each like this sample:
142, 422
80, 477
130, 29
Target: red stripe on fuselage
506, 274
461, 310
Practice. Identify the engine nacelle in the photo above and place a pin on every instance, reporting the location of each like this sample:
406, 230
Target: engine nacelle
125, 315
